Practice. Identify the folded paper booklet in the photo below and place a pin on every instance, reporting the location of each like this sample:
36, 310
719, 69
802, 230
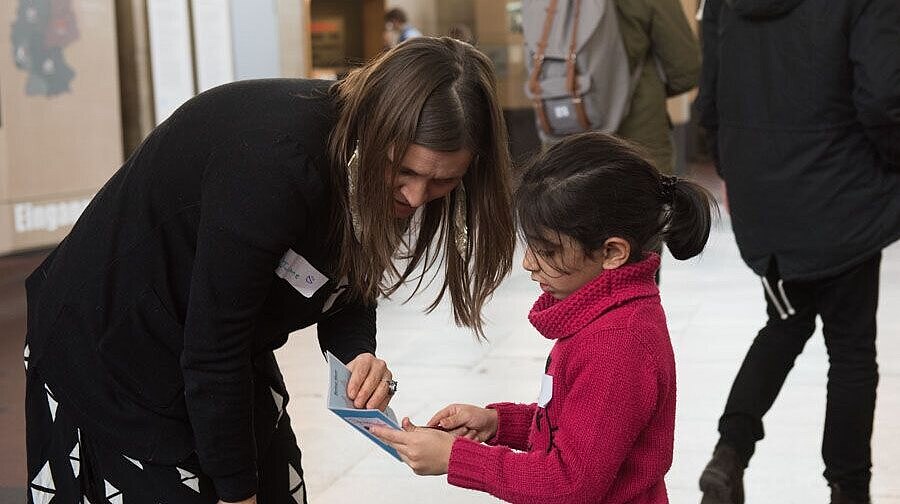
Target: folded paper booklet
342, 406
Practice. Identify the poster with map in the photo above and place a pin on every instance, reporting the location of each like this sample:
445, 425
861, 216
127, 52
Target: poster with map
41, 32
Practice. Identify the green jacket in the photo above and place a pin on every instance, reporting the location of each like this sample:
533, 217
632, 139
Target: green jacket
657, 29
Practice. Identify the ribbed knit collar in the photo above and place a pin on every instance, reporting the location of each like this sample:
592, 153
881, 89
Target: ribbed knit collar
559, 319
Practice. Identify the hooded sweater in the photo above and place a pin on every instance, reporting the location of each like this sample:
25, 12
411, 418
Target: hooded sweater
605, 432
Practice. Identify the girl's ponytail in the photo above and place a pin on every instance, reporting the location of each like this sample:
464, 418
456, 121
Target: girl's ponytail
689, 218
593, 186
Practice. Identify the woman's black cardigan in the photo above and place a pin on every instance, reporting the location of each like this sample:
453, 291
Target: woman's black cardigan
145, 320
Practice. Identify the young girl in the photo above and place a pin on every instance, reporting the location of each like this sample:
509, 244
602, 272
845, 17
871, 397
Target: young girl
590, 210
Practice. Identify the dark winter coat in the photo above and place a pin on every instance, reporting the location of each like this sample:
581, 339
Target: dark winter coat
802, 99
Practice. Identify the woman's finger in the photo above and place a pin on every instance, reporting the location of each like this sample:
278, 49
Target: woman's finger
359, 369
384, 403
377, 374
381, 397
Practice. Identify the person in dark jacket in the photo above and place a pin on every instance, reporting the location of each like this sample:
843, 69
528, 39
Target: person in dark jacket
256, 209
802, 101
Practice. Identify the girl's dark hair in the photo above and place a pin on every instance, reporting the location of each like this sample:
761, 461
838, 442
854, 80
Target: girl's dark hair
593, 186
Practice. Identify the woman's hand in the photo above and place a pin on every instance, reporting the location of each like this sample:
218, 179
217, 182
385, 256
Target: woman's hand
251, 500
478, 424
426, 451
368, 386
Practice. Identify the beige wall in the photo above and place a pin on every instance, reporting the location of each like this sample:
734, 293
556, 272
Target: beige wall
134, 72
58, 150
495, 39
293, 34
373, 28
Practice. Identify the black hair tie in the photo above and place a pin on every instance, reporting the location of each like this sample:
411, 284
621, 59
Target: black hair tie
667, 188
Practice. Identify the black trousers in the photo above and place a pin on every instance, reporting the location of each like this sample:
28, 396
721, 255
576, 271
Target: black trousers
66, 465
847, 304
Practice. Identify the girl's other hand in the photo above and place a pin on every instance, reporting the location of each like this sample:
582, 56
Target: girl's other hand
426, 451
368, 385
477, 424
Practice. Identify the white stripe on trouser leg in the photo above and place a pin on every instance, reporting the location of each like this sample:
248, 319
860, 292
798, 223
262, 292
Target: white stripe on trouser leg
778, 308
787, 302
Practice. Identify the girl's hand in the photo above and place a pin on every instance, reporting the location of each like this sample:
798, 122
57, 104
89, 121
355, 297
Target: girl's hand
478, 424
368, 386
251, 500
426, 451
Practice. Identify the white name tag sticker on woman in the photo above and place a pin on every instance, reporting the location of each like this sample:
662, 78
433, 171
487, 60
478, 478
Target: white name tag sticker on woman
546, 391
300, 274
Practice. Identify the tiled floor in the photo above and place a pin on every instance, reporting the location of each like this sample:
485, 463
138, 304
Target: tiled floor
714, 306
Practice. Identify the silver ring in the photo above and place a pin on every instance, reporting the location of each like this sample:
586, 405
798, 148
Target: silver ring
392, 386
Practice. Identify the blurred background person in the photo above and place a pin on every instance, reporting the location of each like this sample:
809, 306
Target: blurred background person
397, 28
802, 102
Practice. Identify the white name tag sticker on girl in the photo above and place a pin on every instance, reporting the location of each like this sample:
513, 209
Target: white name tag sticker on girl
546, 391
300, 274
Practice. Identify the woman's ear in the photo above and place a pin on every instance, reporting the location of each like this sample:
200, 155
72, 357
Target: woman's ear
616, 252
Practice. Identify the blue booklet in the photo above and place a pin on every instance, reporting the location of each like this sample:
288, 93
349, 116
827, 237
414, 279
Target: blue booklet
342, 406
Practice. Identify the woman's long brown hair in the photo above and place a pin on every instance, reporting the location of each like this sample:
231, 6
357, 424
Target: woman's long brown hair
439, 93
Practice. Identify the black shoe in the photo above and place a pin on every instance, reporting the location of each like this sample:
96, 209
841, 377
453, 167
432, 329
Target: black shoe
722, 482
839, 497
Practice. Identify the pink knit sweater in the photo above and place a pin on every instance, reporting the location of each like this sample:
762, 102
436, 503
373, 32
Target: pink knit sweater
606, 434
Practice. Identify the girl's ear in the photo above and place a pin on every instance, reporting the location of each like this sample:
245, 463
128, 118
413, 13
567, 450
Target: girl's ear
616, 252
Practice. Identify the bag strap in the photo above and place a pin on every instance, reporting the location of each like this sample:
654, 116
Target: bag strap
571, 60
534, 83
572, 71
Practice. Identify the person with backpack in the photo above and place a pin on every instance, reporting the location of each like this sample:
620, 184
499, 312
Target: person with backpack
609, 66
802, 102
591, 211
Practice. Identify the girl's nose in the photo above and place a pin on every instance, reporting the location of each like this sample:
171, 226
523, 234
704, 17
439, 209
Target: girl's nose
529, 262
